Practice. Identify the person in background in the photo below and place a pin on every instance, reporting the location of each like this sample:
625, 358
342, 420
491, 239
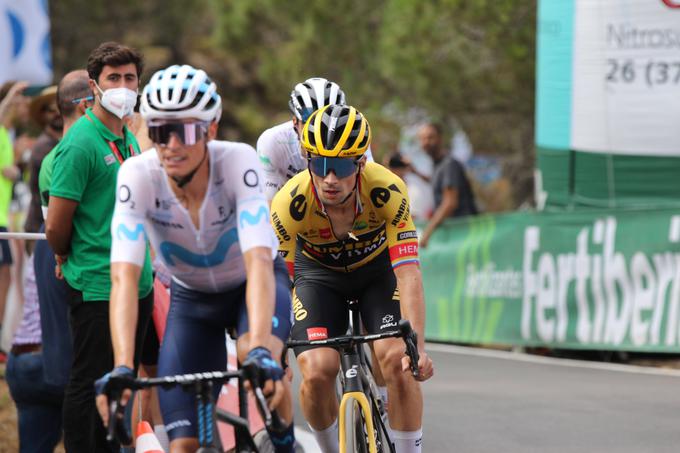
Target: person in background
74, 96
38, 402
44, 113
419, 190
11, 100
451, 188
82, 197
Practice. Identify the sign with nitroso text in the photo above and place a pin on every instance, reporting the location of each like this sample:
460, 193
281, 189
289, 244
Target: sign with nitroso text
607, 280
626, 77
608, 75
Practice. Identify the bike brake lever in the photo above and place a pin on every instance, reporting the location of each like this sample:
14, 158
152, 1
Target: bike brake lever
271, 418
411, 339
116, 430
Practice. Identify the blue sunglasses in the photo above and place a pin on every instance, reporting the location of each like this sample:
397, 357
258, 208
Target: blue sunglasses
89, 98
341, 166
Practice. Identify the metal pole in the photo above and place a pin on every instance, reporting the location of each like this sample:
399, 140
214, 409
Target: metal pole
27, 236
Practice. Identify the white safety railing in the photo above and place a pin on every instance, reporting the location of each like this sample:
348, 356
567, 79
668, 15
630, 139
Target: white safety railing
27, 236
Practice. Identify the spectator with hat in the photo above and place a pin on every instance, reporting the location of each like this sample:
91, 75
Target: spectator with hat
44, 113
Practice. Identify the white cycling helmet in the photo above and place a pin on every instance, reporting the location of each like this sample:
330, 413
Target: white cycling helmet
179, 92
312, 94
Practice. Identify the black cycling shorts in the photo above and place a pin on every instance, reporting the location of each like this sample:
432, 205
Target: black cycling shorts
320, 298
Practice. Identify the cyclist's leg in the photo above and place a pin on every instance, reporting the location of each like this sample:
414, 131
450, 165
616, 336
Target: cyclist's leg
378, 376
320, 313
194, 341
281, 323
380, 312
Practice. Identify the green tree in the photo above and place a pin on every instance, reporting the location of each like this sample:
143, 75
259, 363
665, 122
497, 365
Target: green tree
463, 62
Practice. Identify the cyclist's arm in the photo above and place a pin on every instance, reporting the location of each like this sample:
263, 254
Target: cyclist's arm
269, 154
128, 251
123, 311
260, 293
284, 226
402, 241
412, 299
258, 245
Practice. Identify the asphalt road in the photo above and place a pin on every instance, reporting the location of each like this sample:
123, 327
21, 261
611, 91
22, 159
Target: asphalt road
488, 401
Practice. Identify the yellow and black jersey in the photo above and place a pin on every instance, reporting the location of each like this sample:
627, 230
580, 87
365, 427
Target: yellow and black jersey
382, 221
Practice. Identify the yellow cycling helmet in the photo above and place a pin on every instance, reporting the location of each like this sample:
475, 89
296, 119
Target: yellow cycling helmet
336, 131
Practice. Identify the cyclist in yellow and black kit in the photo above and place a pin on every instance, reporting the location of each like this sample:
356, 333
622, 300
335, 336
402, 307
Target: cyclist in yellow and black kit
346, 233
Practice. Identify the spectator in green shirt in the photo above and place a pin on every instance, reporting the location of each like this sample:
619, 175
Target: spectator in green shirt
82, 197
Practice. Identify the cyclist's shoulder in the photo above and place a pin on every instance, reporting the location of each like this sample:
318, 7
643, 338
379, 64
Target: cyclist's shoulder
384, 190
375, 178
142, 162
230, 149
275, 142
141, 171
232, 156
283, 133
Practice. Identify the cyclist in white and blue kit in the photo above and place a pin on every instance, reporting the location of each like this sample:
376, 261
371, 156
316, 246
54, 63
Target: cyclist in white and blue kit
201, 204
279, 146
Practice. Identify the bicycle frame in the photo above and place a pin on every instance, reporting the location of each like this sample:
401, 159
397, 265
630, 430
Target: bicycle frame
353, 391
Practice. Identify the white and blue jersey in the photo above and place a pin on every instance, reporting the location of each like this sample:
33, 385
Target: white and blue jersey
233, 218
208, 289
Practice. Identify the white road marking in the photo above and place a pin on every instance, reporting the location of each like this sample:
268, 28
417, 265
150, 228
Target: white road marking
522, 357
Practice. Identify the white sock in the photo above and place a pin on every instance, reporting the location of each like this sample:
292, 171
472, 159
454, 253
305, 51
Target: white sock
382, 392
382, 389
408, 441
328, 438
162, 436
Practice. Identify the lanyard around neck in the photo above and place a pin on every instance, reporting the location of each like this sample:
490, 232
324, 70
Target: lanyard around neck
117, 153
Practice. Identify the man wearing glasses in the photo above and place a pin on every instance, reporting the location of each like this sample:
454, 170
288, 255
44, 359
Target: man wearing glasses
200, 203
74, 96
78, 225
345, 232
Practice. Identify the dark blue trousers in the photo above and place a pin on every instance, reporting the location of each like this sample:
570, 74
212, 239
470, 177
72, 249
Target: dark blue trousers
57, 352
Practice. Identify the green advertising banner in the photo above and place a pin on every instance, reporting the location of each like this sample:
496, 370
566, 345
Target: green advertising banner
605, 280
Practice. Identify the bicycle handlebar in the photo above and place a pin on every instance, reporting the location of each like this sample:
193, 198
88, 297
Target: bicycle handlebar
405, 332
117, 384
411, 339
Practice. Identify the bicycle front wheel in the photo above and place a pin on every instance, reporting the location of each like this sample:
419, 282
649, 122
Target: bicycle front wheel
355, 432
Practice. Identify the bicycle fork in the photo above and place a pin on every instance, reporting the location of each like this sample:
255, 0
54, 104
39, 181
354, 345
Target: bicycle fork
353, 392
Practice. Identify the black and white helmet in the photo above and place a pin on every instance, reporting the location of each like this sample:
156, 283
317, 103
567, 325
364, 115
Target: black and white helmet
312, 94
179, 92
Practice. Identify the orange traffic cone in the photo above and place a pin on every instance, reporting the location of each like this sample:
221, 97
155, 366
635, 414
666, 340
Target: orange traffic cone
146, 439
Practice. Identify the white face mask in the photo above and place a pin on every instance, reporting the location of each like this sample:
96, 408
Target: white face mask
119, 101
